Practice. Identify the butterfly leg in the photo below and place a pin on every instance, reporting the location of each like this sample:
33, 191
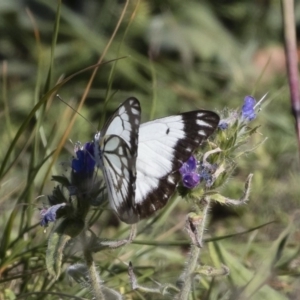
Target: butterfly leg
120, 243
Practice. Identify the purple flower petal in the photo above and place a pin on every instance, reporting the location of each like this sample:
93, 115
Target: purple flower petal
248, 111
84, 162
189, 166
223, 125
49, 215
188, 171
191, 180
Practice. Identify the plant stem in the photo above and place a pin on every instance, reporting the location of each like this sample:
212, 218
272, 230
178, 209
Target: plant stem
187, 277
289, 26
93, 274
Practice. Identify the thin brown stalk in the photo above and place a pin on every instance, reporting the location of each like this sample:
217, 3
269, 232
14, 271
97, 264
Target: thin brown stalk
289, 26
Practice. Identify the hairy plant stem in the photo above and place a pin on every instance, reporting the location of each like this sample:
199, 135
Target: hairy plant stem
187, 276
94, 278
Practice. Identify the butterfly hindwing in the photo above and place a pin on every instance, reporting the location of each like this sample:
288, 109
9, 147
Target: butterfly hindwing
119, 168
116, 153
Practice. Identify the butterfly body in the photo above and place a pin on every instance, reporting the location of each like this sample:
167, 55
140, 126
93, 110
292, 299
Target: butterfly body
141, 162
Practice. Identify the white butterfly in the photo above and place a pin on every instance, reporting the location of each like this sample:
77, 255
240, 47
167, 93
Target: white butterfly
140, 163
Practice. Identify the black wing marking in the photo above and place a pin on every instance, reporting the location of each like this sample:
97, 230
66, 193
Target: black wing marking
164, 144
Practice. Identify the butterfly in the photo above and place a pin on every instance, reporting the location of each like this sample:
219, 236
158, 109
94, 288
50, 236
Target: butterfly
141, 162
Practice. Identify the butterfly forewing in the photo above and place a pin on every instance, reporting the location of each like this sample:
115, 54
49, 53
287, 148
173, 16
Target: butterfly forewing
164, 144
125, 123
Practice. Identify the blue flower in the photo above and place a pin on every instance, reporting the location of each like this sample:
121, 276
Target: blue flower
205, 172
189, 166
189, 173
84, 163
248, 111
49, 215
191, 180
223, 125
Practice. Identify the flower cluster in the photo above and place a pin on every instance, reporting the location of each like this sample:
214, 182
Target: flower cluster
84, 162
49, 215
189, 173
194, 171
81, 183
246, 114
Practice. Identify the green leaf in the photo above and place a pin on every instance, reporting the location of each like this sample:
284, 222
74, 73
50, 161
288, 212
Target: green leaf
9, 294
254, 283
7, 231
64, 232
219, 198
61, 179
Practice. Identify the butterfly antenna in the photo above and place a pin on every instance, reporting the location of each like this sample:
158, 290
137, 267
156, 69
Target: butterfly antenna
82, 116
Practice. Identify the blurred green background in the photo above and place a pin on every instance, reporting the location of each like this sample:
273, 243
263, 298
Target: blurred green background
180, 56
